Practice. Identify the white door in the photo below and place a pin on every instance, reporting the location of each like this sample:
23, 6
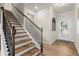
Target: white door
65, 25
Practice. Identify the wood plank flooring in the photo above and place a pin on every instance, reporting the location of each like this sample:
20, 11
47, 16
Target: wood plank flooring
60, 48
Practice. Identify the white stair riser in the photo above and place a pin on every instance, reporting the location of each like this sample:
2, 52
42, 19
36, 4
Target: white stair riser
18, 27
20, 34
20, 31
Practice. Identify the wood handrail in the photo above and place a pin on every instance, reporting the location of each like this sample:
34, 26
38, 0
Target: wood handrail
7, 21
13, 41
26, 17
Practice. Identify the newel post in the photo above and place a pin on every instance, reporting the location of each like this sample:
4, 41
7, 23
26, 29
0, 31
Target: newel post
2, 17
41, 40
13, 40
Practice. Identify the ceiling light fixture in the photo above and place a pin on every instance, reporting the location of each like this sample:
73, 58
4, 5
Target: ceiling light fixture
36, 7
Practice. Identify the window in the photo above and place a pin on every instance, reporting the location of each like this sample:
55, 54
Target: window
64, 27
53, 24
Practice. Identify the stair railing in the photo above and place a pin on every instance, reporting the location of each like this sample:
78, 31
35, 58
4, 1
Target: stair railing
9, 32
35, 31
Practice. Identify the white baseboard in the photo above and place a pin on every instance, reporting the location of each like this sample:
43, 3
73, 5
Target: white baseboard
77, 47
65, 40
49, 42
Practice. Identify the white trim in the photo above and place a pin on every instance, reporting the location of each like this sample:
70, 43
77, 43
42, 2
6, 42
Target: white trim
77, 47
22, 34
4, 49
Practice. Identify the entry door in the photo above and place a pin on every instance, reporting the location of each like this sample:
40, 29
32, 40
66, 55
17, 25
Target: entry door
64, 29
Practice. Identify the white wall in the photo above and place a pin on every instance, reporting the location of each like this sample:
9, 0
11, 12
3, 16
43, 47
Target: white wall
43, 19
29, 13
8, 6
19, 17
70, 17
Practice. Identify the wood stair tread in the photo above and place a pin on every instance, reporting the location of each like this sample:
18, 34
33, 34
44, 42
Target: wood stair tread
31, 52
19, 49
20, 32
16, 25
22, 41
21, 36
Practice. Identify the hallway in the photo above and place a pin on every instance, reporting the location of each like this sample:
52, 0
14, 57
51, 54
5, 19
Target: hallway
26, 28
60, 48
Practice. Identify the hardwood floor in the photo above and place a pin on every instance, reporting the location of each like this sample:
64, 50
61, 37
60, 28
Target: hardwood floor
60, 48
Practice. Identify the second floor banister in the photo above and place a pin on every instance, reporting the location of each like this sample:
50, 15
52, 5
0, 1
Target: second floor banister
35, 31
9, 32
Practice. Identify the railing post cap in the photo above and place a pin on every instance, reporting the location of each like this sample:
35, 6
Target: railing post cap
13, 26
2, 8
41, 29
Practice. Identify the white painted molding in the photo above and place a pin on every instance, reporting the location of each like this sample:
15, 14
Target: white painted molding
4, 48
77, 47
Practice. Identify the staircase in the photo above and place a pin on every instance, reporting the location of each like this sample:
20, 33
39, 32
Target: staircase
24, 45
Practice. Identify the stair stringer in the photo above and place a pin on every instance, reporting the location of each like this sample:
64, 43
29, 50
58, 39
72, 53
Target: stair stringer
4, 49
32, 38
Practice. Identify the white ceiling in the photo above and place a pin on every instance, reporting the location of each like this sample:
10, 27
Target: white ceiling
41, 6
65, 7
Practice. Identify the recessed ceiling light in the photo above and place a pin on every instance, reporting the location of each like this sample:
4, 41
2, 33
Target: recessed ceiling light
36, 7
